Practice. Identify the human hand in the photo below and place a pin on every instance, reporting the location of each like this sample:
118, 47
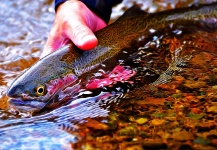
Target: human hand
76, 22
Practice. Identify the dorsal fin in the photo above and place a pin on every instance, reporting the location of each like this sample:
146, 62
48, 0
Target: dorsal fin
133, 12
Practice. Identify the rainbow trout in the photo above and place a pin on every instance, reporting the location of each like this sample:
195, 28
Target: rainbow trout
41, 84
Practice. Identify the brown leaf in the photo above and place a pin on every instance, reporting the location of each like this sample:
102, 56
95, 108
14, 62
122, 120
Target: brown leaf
183, 136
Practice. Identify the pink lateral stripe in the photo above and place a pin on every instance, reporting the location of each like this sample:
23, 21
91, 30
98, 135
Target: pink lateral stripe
59, 83
119, 73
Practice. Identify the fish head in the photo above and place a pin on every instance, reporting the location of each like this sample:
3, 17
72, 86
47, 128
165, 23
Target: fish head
40, 85
29, 95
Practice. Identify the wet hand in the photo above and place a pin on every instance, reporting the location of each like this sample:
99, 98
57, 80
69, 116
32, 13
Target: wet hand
76, 22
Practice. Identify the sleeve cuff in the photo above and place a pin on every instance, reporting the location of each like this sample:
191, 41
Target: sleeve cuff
103, 8
57, 3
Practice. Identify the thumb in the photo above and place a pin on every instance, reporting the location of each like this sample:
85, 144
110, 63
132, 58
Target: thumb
81, 35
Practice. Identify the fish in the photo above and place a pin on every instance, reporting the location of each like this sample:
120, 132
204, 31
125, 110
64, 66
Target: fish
40, 85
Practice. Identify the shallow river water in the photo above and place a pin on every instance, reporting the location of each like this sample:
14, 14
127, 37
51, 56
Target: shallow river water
178, 114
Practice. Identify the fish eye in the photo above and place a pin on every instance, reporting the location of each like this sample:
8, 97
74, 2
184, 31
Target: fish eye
40, 90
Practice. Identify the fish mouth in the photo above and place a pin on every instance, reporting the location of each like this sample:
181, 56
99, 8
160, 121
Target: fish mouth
26, 105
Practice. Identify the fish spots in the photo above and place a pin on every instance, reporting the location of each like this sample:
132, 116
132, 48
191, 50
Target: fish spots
70, 56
